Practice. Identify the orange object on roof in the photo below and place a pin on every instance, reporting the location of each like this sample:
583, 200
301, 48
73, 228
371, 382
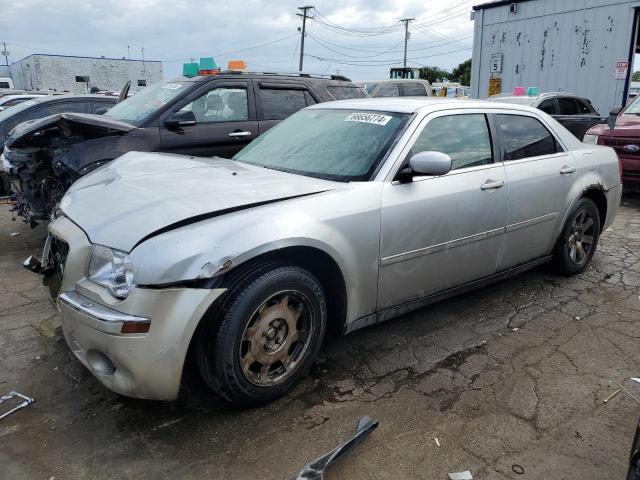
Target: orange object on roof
237, 65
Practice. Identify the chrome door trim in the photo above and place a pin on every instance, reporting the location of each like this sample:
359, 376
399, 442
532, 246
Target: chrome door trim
401, 257
532, 221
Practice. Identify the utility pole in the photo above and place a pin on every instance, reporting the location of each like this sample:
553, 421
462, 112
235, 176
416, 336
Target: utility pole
406, 38
5, 52
304, 16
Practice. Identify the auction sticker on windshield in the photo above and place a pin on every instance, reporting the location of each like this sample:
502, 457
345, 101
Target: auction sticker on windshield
172, 86
375, 118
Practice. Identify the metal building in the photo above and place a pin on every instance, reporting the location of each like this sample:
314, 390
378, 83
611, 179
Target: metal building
79, 74
580, 46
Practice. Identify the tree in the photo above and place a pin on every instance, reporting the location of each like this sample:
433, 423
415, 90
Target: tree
635, 77
434, 74
462, 73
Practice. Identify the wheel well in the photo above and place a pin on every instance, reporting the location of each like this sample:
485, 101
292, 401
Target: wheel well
598, 197
325, 268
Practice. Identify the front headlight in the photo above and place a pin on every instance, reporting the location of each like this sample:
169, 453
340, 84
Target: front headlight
111, 269
592, 139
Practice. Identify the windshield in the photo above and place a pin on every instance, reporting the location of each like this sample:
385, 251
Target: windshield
340, 145
633, 108
9, 112
137, 108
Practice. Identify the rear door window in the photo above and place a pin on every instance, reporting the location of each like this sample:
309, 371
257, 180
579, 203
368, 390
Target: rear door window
584, 107
388, 90
465, 138
567, 106
525, 137
413, 90
345, 93
279, 103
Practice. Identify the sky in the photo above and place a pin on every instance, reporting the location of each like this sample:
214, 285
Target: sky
357, 38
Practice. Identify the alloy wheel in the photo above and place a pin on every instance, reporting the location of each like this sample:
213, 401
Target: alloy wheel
276, 338
581, 237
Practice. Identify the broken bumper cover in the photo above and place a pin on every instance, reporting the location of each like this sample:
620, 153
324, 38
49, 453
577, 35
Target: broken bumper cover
142, 365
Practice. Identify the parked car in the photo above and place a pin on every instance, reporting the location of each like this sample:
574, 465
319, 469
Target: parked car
6, 83
344, 215
624, 138
37, 182
11, 100
397, 87
575, 113
207, 115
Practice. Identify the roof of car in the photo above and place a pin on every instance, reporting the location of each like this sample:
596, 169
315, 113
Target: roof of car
415, 104
274, 75
49, 98
359, 82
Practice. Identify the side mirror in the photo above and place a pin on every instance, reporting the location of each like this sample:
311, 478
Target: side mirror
613, 117
101, 110
430, 163
179, 119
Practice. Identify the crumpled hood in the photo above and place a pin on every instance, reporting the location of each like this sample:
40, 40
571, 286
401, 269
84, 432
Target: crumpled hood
142, 194
24, 130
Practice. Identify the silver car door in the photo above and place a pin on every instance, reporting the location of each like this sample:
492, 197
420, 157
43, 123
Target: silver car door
540, 174
440, 232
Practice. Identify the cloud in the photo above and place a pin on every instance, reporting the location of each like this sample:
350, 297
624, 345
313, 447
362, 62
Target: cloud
176, 31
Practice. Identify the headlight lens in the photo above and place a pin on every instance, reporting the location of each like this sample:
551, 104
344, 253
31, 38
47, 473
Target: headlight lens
593, 139
112, 269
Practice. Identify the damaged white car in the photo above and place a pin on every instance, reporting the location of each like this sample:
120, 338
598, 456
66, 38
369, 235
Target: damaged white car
344, 215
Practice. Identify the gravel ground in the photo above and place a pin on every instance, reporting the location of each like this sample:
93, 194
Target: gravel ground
512, 374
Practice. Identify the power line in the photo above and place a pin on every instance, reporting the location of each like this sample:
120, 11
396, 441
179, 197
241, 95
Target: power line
370, 63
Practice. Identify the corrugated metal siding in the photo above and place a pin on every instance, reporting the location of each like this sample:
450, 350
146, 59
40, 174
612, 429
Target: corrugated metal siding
556, 45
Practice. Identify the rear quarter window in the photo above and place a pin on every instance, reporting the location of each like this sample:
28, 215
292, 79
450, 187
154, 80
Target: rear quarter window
346, 93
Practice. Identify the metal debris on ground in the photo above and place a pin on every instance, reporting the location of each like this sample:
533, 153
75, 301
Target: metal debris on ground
26, 401
466, 475
316, 469
517, 469
629, 393
14, 234
612, 395
437, 441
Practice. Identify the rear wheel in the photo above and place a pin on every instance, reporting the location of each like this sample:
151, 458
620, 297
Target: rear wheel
579, 238
265, 336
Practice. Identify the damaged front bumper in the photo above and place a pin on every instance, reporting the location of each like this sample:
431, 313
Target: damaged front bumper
142, 365
137, 346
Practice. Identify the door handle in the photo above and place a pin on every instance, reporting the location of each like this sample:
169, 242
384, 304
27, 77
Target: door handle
567, 170
492, 185
240, 134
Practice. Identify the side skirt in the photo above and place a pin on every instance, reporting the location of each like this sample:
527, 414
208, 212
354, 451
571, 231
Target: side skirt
407, 307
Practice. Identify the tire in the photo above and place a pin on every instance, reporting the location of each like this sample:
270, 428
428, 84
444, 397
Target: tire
573, 254
265, 335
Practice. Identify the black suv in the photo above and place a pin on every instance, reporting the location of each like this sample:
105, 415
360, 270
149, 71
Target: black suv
208, 115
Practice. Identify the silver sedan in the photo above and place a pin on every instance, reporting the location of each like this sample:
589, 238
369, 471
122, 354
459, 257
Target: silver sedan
344, 215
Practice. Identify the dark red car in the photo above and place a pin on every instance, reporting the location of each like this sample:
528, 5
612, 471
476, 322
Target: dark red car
624, 138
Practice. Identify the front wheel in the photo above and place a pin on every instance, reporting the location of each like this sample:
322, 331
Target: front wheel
579, 238
265, 336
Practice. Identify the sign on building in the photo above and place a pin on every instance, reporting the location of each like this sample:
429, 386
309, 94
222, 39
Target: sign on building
496, 63
495, 86
622, 67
